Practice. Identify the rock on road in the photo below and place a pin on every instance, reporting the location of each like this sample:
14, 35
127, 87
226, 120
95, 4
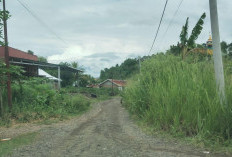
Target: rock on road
105, 131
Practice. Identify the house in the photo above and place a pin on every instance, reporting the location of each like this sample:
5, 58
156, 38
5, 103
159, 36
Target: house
31, 64
111, 83
20, 56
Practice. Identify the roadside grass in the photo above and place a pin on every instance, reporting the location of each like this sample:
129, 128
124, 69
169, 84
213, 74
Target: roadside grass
7, 147
180, 98
34, 101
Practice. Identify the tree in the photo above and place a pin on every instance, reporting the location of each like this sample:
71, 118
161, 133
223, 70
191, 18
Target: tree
42, 59
16, 71
224, 47
74, 65
123, 71
174, 49
188, 43
30, 52
230, 49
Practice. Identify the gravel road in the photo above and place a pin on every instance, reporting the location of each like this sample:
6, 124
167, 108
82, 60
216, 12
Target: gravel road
105, 131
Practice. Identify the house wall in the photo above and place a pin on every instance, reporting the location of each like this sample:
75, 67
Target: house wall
30, 70
108, 84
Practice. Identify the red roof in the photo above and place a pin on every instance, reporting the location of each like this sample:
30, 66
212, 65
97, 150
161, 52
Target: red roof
120, 82
17, 54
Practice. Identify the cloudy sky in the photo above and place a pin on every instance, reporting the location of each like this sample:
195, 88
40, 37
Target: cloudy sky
101, 33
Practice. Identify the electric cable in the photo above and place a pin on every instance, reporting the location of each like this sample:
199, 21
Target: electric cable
159, 26
33, 14
174, 15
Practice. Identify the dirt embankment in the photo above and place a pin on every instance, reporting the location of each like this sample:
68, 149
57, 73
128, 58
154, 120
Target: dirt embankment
105, 131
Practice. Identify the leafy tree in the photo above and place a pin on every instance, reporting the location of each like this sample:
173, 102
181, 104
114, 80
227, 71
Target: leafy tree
86, 80
42, 59
174, 49
74, 65
224, 47
123, 71
230, 49
30, 52
67, 77
15, 71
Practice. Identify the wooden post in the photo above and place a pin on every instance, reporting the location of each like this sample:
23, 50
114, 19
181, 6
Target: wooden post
9, 93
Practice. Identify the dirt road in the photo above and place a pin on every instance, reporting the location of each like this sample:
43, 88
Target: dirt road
105, 131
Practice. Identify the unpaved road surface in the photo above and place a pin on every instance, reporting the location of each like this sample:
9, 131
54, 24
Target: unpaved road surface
105, 131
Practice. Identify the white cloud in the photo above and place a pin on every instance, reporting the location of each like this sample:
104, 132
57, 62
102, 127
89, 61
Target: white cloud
116, 27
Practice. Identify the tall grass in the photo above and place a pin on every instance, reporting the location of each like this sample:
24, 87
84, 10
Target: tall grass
180, 97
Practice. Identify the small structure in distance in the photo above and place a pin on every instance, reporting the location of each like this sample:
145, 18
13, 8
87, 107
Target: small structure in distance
109, 83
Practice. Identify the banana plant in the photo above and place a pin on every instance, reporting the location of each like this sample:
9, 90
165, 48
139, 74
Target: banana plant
189, 42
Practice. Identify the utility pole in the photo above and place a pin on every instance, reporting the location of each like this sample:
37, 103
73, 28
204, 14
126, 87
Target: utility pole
140, 64
59, 80
217, 55
112, 85
9, 93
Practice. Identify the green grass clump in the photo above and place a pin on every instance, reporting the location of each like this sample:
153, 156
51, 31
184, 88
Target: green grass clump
7, 147
180, 97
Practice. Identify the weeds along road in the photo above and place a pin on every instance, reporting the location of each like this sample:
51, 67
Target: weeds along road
105, 131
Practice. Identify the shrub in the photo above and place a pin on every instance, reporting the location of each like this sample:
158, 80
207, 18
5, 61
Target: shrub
34, 100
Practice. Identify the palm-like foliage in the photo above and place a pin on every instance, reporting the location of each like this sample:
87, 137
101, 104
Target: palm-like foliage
184, 33
196, 31
189, 42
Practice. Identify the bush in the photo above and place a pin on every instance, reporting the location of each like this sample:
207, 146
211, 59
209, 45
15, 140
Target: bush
34, 100
180, 97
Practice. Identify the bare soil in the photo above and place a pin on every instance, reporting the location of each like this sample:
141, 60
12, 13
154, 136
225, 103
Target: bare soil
105, 131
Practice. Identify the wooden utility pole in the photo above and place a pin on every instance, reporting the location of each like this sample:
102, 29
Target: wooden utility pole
217, 55
9, 93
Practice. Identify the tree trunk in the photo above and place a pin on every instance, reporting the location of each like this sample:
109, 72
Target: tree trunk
1, 103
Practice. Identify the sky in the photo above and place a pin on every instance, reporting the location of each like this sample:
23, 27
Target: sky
99, 34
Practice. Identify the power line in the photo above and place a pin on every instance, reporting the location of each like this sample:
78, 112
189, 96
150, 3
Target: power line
33, 14
174, 15
159, 26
